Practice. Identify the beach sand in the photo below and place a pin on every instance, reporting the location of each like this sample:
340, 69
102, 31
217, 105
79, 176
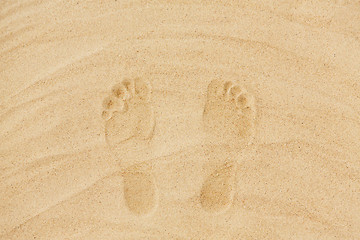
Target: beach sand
180, 119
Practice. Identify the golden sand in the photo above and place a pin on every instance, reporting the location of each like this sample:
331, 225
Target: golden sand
180, 119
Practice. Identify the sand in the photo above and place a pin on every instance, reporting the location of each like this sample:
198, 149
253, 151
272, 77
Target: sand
180, 119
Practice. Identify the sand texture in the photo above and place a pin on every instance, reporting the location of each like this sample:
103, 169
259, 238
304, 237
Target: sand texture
181, 119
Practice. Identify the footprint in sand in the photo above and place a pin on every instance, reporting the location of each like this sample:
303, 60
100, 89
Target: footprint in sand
129, 126
229, 113
229, 120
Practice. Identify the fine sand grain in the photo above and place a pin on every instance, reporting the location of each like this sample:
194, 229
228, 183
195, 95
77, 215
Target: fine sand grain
180, 119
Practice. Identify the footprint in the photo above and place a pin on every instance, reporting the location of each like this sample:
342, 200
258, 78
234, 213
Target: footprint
217, 191
129, 126
140, 192
229, 121
128, 112
229, 113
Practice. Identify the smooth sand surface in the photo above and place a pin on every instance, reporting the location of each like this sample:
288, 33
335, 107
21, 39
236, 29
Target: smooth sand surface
180, 119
